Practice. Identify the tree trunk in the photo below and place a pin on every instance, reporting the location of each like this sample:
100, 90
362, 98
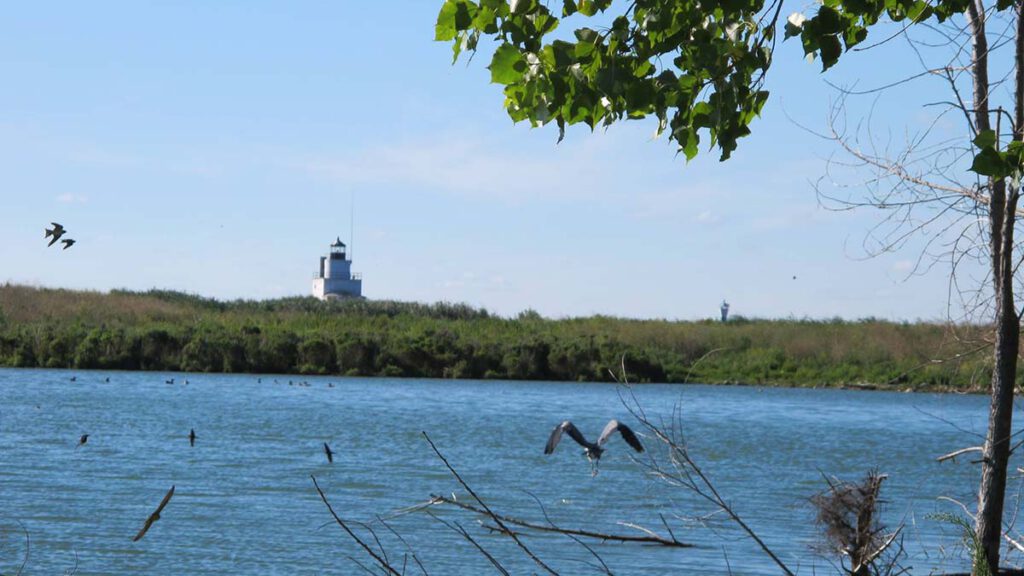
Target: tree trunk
996, 454
1002, 218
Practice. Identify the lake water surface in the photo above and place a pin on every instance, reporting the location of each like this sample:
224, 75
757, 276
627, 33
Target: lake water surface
245, 504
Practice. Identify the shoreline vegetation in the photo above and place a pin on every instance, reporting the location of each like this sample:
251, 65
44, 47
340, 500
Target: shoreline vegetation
163, 330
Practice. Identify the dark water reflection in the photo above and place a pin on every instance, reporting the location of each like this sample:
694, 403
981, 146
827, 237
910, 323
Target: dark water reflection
245, 504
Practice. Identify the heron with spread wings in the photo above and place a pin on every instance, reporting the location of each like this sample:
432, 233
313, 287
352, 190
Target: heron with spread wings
593, 450
154, 516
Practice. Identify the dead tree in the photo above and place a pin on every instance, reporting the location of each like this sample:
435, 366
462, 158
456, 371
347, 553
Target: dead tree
848, 514
966, 213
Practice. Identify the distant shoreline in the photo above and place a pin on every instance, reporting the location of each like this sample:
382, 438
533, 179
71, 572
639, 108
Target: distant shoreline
300, 377
170, 331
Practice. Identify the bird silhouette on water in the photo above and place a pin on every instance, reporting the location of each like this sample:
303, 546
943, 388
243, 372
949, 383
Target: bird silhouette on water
154, 516
82, 440
330, 454
68, 243
73, 378
171, 381
593, 450
192, 437
54, 233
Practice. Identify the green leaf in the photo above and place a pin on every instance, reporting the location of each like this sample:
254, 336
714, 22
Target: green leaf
690, 147
854, 35
522, 6
444, 30
508, 65
828, 21
830, 49
795, 24
985, 139
920, 11
990, 162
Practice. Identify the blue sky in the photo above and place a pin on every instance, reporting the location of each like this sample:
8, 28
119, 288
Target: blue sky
214, 147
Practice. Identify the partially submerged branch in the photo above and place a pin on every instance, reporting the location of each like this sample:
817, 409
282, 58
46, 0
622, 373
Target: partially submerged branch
649, 536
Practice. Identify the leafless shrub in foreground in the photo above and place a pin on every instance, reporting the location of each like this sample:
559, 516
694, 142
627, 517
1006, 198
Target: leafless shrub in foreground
848, 514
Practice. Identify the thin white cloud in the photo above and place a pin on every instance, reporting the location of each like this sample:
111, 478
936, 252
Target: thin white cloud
69, 198
903, 266
473, 165
708, 217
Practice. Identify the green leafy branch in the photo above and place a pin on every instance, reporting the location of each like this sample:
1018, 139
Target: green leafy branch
995, 163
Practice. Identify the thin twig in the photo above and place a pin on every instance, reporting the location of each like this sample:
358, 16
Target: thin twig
383, 563
487, 508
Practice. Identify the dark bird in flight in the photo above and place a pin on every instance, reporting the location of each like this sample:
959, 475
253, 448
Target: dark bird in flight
192, 437
330, 454
68, 243
56, 232
81, 441
154, 516
593, 450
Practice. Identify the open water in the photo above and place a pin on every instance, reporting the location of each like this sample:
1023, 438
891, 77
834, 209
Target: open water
245, 504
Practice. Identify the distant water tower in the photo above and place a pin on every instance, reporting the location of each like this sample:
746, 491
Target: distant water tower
335, 278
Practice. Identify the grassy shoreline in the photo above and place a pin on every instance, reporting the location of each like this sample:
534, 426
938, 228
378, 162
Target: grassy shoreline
172, 331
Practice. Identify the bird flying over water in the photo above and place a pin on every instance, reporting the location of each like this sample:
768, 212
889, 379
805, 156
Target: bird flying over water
593, 450
192, 437
82, 440
68, 243
330, 454
56, 232
154, 516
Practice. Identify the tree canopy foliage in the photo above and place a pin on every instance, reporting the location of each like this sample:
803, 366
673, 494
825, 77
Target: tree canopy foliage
698, 67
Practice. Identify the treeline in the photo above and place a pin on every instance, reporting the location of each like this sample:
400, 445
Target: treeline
170, 331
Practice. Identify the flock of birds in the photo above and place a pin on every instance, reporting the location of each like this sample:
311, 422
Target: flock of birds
56, 233
592, 450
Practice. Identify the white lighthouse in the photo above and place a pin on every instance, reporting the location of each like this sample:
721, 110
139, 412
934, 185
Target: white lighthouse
335, 278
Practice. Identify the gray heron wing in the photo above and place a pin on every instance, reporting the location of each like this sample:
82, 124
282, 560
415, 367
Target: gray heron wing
627, 434
556, 435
